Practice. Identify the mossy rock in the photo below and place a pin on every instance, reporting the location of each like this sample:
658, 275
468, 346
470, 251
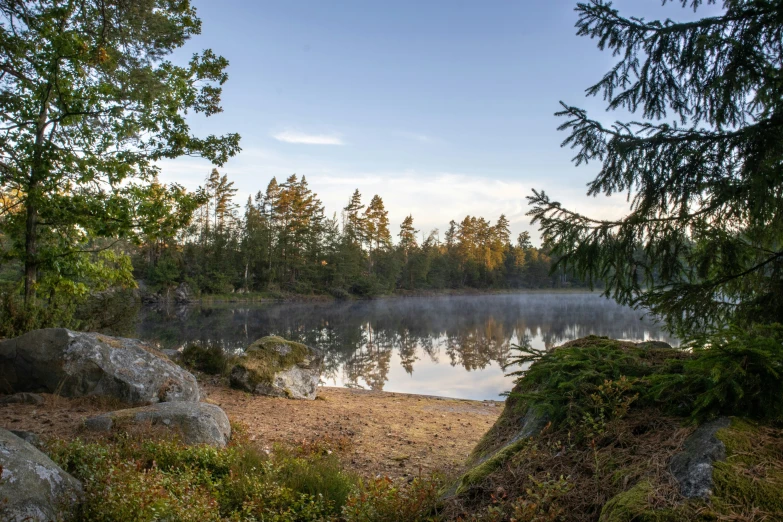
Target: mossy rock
280, 368
752, 474
478, 473
634, 504
749, 480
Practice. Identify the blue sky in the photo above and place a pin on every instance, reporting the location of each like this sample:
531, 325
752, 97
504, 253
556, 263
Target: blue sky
443, 108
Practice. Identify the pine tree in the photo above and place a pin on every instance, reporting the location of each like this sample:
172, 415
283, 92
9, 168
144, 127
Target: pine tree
407, 235
702, 166
376, 220
354, 223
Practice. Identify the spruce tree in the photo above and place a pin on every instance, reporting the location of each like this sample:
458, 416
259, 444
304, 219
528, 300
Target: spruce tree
701, 164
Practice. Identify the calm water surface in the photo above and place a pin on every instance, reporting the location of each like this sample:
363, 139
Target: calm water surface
448, 346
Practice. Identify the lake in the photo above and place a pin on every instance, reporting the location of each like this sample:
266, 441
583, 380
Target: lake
445, 346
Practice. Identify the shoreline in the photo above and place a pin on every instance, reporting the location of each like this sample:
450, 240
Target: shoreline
325, 298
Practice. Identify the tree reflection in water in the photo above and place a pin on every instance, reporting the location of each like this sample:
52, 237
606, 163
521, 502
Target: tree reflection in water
362, 339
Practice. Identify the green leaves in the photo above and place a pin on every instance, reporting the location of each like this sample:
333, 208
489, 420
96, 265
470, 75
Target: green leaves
88, 106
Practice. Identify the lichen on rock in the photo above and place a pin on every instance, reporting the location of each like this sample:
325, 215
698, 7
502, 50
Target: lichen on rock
78, 364
277, 367
194, 422
32, 487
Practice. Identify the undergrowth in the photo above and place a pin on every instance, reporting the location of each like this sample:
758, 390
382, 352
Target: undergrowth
129, 478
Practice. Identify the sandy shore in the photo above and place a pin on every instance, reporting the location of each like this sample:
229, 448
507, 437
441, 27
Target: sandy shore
379, 433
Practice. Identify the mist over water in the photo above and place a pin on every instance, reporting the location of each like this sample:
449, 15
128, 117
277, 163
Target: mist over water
448, 346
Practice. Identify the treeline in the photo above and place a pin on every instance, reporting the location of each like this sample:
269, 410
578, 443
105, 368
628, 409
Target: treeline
284, 241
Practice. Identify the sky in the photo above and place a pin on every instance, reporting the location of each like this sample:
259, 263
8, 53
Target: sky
444, 108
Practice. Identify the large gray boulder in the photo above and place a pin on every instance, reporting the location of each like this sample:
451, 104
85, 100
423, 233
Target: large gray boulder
279, 368
692, 467
75, 364
194, 422
32, 487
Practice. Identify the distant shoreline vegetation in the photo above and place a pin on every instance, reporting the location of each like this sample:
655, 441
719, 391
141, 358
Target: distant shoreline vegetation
264, 297
284, 245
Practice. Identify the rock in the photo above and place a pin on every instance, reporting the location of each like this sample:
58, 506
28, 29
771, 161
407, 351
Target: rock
74, 364
196, 422
530, 425
183, 294
279, 368
32, 487
172, 354
655, 345
693, 466
483, 463
28, 436
22, 398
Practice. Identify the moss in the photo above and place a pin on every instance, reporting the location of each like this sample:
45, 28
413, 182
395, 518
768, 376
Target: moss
634, 504
752, 475
269, 355
750, 480
480, 472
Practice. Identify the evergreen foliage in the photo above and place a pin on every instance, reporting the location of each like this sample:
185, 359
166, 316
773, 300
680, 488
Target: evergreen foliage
732, 372
701, 245
284, 242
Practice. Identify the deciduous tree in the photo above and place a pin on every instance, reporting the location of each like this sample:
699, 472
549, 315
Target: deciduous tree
88, 104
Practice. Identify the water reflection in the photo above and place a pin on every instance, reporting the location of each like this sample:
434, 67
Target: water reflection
453, 346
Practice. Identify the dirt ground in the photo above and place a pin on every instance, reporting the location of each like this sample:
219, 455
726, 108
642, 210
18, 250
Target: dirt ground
379, 433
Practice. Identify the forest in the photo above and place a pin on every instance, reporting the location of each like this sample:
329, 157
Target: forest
285, 242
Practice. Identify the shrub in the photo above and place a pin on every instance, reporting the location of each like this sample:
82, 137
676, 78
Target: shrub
386, 500
320, 476
128, 478
339, 293
210, 359
131, 479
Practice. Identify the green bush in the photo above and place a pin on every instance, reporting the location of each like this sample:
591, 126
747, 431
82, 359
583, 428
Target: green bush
320, 476
210, 359
385, 500
339, 293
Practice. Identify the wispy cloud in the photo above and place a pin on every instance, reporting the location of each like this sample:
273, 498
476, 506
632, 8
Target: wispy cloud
417, 136
433, 197
291, 136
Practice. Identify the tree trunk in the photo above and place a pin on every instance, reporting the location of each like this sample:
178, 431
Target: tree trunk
31, 252
33, 189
